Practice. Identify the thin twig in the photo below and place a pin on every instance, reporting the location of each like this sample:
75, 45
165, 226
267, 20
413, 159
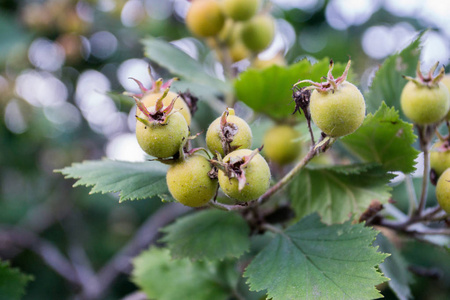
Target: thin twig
411, 195
147, 234
288, 177
48, 252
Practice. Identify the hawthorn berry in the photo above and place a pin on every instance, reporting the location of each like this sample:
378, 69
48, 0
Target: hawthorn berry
161, 132
258, 32
337, 106
189, 181
440, 157
205, 18
443, 191
282, 144
424, 99
246, 175
240, 10
228, 133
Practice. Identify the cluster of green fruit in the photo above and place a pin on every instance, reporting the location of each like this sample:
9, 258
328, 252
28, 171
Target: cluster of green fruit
234, 25
162, 131
426, 101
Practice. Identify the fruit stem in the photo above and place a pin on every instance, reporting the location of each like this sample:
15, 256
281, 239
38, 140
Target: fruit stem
411, 195
425, 135
218, 206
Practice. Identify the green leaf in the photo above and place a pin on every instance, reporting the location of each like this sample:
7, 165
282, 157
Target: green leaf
311, 260
388, 82
180, 64
208, 235
162, 278
12, 282
386, 139
338, 192
134, 180
395, 268
269, 91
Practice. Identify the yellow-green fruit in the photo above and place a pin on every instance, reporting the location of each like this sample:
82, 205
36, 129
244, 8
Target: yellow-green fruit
242, 138
439, 158
340, 112
162, 140
446, 82
205, 18
257, 174
282, 144
189, 183
151, 98
240, 10
238, 51
443, 191
425, 105
258, 32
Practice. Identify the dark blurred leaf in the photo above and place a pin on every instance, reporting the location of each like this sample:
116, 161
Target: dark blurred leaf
180, 64
208, 235
388, 82
163, 278
386, 139
134, 181
12, 282
269, 91
311, 260
337, 192
395, 268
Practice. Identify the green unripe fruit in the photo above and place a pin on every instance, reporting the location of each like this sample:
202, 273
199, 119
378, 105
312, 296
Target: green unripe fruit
151, 98
240, 10
241, 139
205, 18
162, 140
257, 174
189, 183
443, 191
282, 144
423, 104
258, 32
238, 51
340, 112
277, 60
446, 81
440, 157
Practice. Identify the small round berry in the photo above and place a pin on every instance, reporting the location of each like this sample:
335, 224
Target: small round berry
282, 144
162, 140
257, 177
338, 112
440, 157
205, 18
189, 182
424, 104
236, 129
443, 191
240, 10
258, 32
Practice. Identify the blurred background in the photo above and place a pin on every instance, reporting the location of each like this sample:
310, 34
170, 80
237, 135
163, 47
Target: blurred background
63, 66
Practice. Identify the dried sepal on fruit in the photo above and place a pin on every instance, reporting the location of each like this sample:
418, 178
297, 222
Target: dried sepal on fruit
243, 174
337, 107
149, 96
424, 99
161, 131
228, 133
